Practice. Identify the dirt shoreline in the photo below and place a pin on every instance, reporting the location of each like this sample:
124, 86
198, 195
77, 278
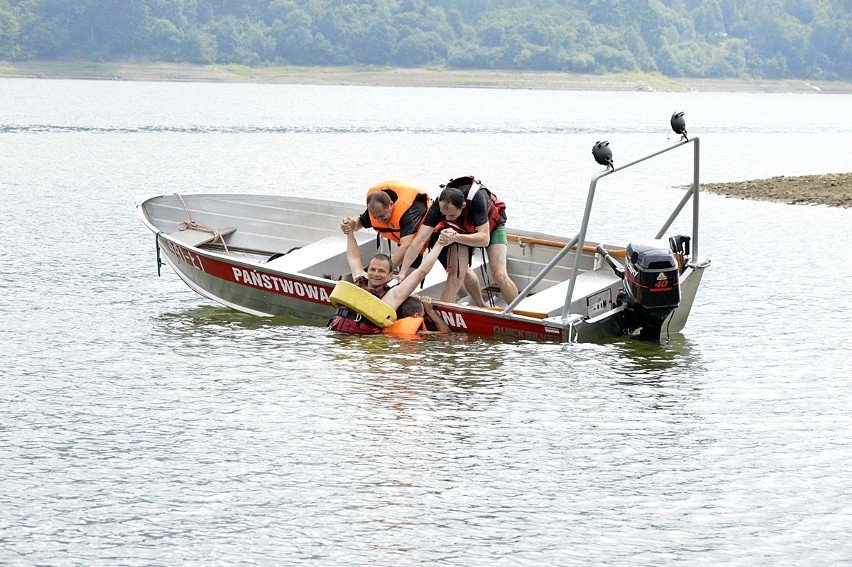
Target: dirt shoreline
832, 189
380, 76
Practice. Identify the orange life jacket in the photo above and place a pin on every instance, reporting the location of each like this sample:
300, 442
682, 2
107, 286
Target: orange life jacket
350, 321
405, 197
406, 326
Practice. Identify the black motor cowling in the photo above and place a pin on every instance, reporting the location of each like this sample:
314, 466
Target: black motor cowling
651, 286
651, 276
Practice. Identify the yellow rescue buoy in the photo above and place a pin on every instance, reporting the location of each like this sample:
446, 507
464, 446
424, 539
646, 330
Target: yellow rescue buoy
364, 302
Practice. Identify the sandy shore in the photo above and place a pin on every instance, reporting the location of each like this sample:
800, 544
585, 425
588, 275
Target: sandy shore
378, 76
834, 189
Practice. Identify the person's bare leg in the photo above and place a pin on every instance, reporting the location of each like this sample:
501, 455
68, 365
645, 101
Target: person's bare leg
471, 285
497, 254
454, 274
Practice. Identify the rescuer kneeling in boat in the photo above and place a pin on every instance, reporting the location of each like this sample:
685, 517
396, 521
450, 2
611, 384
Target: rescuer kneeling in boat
375, 280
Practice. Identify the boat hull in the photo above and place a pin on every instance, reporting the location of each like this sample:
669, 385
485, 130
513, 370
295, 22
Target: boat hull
247, 288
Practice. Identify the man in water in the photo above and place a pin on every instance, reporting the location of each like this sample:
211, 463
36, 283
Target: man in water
375, 280
411, 318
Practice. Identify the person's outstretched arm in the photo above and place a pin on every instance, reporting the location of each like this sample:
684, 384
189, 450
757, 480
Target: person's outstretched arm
402, 249
439, 322
400, 293
353, 255
414, 249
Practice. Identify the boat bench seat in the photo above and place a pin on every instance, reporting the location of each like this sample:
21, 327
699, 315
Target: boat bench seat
309, 255
552, 299
194, 237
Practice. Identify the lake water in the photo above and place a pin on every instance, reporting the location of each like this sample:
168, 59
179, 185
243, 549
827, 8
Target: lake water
143, 425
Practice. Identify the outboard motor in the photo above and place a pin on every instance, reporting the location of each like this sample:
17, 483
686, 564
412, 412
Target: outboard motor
651, 286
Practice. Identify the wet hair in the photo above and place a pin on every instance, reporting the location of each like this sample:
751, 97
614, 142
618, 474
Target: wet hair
384, 258
453, 196
410, 307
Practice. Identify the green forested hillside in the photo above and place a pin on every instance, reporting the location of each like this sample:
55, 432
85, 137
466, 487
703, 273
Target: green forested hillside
775, 39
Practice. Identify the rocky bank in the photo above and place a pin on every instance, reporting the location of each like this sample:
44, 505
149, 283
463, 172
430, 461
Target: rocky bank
832, 189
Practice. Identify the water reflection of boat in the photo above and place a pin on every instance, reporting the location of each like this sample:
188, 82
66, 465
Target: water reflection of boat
271, 255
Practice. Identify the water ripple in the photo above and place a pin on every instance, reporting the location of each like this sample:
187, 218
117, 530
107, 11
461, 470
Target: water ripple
142, 425
470, 129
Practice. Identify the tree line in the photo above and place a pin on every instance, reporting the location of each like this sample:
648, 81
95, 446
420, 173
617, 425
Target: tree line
776, 39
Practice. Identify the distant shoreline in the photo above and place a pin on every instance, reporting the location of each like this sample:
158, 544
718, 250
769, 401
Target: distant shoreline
380, 76
834, 190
